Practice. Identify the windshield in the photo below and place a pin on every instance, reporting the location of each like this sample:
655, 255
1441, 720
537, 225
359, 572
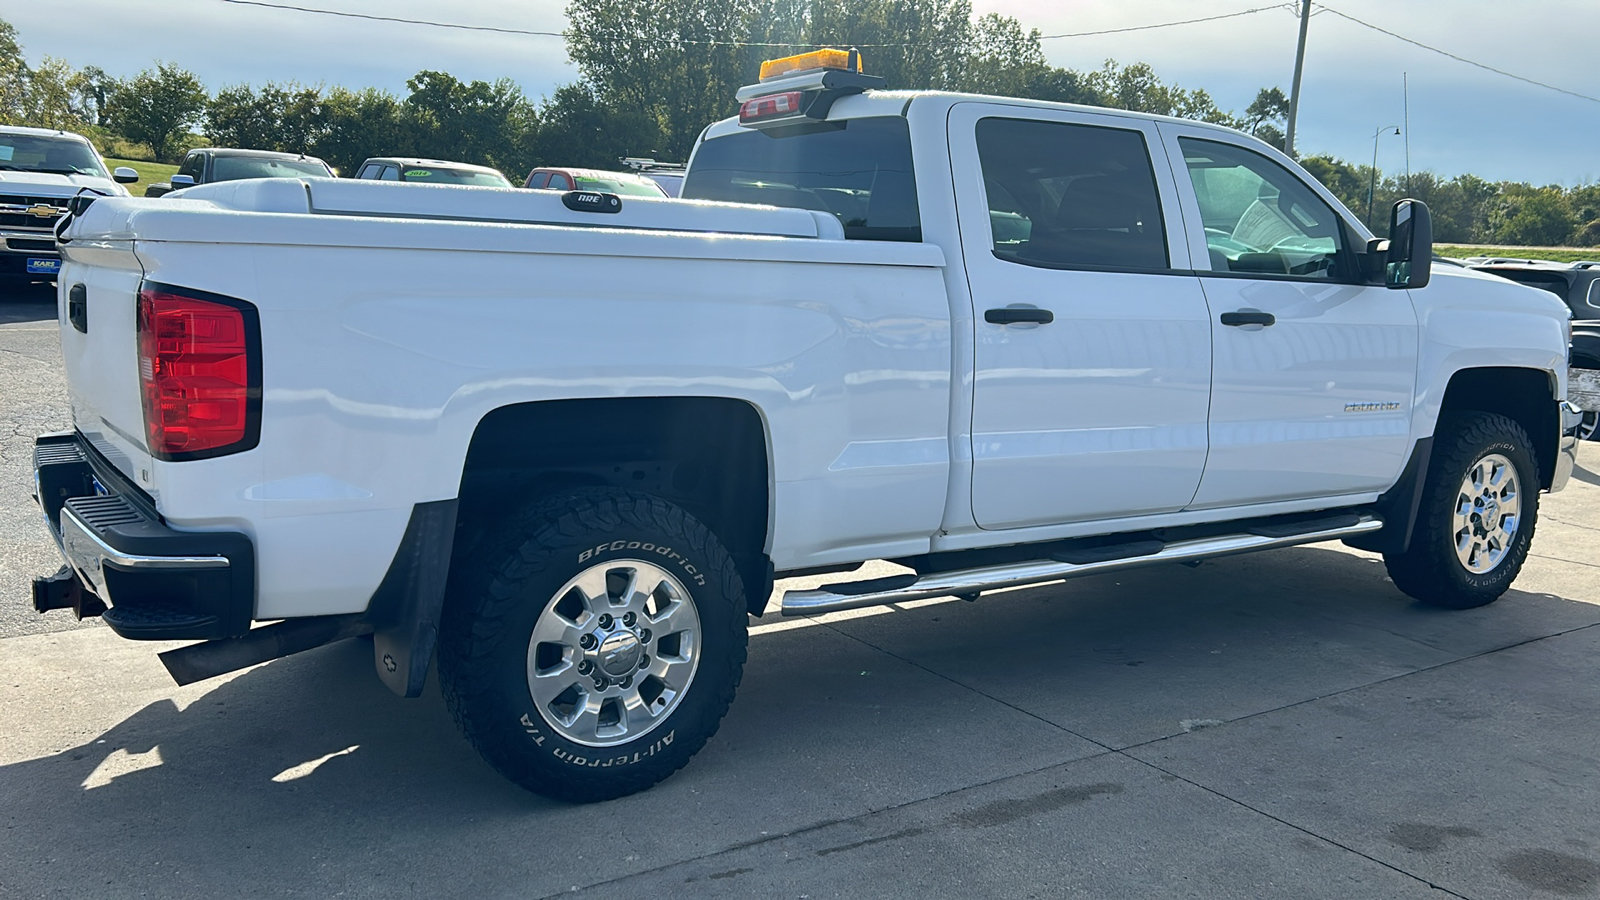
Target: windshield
234, 168
60, 156
859, 170
619, 184
433, 175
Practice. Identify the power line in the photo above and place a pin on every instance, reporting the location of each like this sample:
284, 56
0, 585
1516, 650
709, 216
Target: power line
522, 31
352, 15
1453, 56
1242, 12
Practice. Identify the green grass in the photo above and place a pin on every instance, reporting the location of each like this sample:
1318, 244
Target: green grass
148, 172
1558, 255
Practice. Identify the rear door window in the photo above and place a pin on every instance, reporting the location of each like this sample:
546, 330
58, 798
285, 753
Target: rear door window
1063, 195
390, 173
558, 182
539, 180
858, 169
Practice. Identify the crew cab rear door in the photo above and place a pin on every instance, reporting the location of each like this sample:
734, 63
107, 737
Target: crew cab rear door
1314, 368
1092, 357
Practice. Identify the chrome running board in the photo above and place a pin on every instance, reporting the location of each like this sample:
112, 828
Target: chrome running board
970, 582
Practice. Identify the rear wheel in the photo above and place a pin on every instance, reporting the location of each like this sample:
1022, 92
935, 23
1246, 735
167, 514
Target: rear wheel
1479, 506
596, 648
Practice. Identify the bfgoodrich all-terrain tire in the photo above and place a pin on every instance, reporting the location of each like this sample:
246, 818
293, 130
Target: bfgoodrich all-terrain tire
1479, 506
591, 651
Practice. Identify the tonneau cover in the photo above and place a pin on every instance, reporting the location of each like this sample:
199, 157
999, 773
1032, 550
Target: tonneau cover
165, 218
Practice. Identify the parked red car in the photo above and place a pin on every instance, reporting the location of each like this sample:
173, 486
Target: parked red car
624, 183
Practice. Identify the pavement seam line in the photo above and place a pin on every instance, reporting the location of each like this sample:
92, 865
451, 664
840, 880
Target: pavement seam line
1248, 716
967, 687
818, 826
1300, 828
1565, 560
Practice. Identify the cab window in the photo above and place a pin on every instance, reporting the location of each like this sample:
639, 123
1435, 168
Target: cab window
390, 173
538, 180
1071, 196
558, 182
1259, 218
192, 166
857, 169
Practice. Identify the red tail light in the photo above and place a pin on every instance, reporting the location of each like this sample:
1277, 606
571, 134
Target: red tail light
200, 368
771, 106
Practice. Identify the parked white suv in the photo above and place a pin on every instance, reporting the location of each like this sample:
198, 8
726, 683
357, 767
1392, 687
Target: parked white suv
40, 170
566, 441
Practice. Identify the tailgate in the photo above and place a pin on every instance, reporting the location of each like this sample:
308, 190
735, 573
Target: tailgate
98, 304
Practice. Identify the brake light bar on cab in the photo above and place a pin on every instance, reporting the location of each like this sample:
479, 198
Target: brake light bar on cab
802, 88
199, 372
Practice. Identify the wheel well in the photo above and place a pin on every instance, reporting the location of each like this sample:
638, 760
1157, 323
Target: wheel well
706, 454
1523, 395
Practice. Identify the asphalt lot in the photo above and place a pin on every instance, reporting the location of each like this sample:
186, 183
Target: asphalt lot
1280, 725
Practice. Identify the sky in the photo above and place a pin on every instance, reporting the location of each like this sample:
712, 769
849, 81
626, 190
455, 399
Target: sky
1456, 118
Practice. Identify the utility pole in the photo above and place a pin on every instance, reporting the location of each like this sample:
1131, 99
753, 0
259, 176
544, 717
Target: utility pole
1294, 89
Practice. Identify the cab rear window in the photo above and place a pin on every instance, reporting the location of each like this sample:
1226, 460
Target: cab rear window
858, 169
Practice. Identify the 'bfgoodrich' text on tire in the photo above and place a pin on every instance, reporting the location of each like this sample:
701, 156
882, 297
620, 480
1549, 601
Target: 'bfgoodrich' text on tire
594, 647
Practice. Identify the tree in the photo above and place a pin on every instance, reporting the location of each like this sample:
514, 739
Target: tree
1531, 216
14, 74
288, 118
157, 107
360, 124
1263, 116
1003, 59
476, 122
576, 129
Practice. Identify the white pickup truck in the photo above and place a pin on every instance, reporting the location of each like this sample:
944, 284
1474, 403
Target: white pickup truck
564, 443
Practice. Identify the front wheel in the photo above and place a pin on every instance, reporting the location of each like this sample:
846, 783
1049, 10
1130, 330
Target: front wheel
595, 649
1479, 505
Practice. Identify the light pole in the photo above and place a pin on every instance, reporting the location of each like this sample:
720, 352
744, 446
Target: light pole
1372, 179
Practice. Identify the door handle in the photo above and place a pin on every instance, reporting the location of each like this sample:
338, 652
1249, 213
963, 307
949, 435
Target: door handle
1248, 317
1016, 315
78, 307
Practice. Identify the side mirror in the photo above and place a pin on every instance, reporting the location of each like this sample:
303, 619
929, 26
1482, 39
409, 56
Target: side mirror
124, 175
1409, 262
181, 181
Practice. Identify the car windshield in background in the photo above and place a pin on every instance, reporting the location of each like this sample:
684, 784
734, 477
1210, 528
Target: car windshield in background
234, 168
858, 169
625, 187
58, 156
431, 175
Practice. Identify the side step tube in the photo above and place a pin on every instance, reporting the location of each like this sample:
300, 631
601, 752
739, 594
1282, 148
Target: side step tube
970, 582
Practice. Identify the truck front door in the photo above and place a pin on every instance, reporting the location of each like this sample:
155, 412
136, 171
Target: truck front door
1092, 361
1314, 367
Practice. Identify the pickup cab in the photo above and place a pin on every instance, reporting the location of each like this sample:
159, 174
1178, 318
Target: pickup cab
563, 443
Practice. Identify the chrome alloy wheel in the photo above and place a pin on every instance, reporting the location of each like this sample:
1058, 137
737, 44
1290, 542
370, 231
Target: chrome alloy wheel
1487, 514
613, 652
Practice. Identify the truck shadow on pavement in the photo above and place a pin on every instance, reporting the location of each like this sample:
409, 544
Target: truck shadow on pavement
307, 775
34, 305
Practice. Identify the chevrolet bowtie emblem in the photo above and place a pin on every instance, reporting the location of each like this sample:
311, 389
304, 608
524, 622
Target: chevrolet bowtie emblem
44, 211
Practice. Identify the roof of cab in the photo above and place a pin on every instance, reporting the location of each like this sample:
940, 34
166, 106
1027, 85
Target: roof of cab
898, 103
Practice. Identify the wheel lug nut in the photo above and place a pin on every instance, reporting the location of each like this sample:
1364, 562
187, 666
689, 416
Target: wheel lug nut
586, 642
626, 683
599, 684
644, 660
605, 621
644, 635
585, 667
628, 619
